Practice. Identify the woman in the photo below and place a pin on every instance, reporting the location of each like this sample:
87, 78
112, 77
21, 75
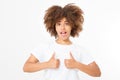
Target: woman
62, 59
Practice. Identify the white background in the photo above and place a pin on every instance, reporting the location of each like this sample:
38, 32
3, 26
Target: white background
22, 29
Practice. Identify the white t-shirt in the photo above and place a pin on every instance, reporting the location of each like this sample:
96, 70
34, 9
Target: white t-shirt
45, 52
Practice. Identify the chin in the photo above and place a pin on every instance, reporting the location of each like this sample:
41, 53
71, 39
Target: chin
64, 38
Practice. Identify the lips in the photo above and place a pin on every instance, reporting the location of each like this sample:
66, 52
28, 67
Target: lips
63, 33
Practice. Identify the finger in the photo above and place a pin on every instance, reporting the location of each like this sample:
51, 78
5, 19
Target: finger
58, 61
53, 56
71, 56
66, 61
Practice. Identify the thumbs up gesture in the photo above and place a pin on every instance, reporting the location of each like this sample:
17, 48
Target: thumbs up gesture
53, 63
70, 63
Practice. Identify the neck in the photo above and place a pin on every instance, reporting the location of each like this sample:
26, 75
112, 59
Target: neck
64, 42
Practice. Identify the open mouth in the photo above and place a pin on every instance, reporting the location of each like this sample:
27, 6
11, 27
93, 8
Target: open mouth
63, 33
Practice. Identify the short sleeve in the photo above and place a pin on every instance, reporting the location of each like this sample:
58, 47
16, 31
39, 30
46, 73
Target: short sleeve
38, 52
86, 57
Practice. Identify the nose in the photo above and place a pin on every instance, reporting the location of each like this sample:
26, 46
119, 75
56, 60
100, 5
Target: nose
63, 26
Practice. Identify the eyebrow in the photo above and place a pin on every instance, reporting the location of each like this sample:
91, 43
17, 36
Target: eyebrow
64, 21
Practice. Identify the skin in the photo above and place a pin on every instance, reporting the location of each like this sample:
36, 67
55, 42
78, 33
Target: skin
63, 29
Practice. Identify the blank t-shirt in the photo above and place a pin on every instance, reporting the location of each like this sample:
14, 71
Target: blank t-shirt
45, 52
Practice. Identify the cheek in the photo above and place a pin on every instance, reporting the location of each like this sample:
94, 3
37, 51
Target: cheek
69, 30
57, 30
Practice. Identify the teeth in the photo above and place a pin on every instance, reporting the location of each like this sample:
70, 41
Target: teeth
62, 32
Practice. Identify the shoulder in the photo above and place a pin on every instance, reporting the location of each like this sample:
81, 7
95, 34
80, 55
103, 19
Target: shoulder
85, 54
82, 49
78, 46
40, 47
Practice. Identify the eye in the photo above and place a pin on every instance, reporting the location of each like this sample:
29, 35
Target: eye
58, 24
67, 23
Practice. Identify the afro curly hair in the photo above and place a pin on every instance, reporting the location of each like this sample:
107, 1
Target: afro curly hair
72, 13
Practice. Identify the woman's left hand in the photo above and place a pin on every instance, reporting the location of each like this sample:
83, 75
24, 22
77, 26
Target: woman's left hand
70, 63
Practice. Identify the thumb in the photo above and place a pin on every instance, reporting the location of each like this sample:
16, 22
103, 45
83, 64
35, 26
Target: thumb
53, 56
71, 56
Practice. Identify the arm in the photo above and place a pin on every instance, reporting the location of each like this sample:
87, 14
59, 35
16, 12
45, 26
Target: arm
91, 69
33, 64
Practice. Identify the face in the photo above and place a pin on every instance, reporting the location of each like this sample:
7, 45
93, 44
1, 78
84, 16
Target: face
63, 29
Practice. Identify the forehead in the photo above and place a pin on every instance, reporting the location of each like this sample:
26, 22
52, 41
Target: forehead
62, 20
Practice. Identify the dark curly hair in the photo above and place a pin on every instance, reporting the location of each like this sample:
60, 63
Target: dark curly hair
72, 13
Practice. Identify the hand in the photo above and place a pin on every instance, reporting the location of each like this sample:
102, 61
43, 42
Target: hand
53, 63
70, 63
